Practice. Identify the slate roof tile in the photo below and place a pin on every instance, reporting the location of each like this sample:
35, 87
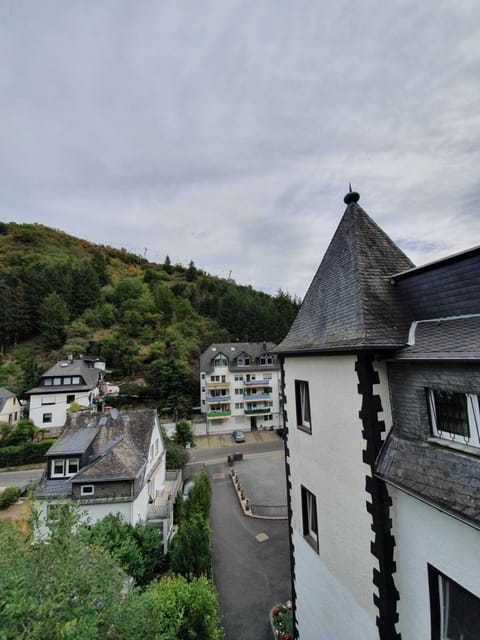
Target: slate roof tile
351, 302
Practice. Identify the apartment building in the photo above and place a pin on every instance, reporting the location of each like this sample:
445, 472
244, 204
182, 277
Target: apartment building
239, 387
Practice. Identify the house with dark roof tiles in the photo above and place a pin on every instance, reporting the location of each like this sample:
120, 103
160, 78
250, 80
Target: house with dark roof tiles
111, 463
382, 385
10, 408
71, 380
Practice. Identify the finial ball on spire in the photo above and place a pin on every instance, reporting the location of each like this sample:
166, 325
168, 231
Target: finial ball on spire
351, 196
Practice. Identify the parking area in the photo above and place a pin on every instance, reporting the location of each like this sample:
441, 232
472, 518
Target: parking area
219, 441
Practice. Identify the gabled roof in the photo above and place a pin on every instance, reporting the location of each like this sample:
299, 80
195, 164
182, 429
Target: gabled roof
118, 446
351, 303
63, 368
234, 349
4, 396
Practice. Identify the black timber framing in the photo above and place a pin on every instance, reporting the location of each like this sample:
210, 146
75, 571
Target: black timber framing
289, 498
379, 507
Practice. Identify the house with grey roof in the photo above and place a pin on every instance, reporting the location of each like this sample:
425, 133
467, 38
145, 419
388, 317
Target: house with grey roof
111, 463
239, 387
10, 408
382, 385
71, 380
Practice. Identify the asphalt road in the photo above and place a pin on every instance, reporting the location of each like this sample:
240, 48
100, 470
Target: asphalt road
251, 574
19, 478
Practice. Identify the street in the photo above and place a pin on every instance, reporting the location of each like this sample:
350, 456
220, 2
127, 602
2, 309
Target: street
251, 562
19, 478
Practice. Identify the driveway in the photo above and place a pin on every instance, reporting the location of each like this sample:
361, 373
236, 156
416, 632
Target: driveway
251, 561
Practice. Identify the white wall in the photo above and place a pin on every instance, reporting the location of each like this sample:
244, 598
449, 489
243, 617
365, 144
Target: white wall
423, 536
326, 609
328, 462
11, 407
58, 409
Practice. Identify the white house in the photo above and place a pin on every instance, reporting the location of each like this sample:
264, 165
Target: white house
67, 381
239, 387
10, 408
111, 463
382, 384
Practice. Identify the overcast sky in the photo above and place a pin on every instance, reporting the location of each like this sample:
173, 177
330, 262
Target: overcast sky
226, 131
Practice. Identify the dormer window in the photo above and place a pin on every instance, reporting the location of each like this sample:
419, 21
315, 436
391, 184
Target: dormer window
455, 416
64, 467
266, 359
221, 361
243, 360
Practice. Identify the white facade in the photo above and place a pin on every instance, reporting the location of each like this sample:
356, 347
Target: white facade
328, 463
426, 536
10, 410
234, 395
50, 410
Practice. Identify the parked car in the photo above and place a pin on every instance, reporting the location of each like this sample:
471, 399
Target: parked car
187, 485
238, 436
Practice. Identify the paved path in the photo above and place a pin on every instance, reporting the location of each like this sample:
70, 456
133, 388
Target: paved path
250, 573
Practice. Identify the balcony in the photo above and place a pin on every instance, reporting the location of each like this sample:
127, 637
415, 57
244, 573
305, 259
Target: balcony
218, 385
162, 506
258, 411
215, 415
257, 396
258, 383
218, 399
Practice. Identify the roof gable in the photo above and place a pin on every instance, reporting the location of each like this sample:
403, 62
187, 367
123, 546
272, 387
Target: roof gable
351, 303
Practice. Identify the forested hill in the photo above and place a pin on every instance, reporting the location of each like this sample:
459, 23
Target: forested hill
60, 295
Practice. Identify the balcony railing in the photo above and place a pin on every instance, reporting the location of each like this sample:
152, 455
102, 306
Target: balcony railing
162, 506
211, 415
257, 396
218, 399
257, 411
257, 383
218, 385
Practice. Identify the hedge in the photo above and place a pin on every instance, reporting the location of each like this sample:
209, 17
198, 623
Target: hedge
9, 496
28, 453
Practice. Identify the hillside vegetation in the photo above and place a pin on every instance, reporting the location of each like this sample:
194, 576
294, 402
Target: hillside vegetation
60, 295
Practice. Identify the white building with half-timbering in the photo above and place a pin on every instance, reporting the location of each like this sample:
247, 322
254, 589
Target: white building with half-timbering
382, 385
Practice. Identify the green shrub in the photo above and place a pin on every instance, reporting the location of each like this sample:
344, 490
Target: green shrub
199, 497
9, 496
28, 453
190, 553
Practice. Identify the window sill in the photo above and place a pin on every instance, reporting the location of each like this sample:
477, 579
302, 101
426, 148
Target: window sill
300, 427
311, 541
450, 444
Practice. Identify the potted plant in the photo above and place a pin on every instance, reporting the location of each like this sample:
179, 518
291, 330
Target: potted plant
281, 620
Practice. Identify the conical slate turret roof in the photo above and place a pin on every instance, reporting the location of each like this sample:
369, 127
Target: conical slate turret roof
351, 303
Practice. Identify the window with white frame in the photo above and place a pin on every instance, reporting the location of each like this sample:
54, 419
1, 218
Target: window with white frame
455, 612
87, 490
243, 361
455, 416
73, 465
64, 467
302, 403
47, 417
309, 518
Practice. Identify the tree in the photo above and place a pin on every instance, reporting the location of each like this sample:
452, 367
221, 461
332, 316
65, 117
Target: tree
199, 497
58, 589
54, 317
138, 549
190, 553
183, 432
